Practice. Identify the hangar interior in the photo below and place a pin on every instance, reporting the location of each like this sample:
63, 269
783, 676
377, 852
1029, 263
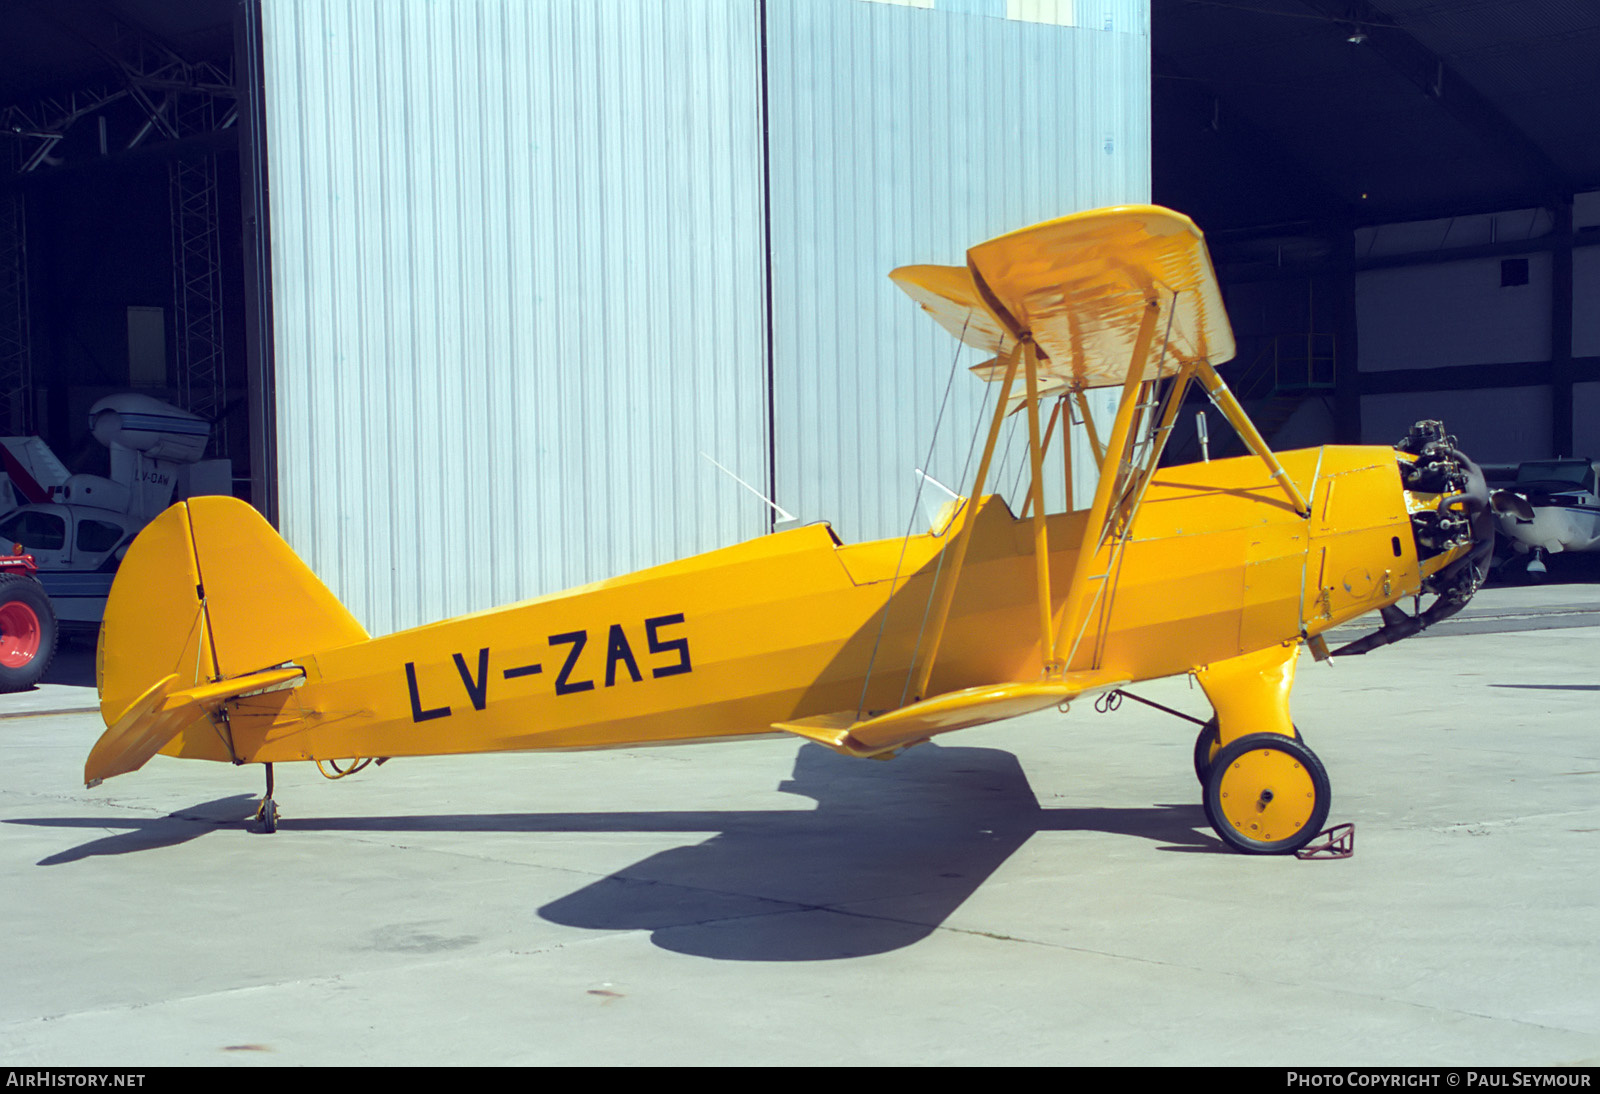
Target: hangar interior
120, 221
1402, 198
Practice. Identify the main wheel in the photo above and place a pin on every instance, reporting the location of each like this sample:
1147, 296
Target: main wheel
1208, 743
28, 632
1267, 794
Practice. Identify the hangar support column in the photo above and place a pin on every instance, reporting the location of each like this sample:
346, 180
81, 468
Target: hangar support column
250, 94
197, 266
1347, 358
1561, 439
16, 353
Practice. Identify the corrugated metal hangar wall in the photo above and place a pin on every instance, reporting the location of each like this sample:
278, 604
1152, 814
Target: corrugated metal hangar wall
535, 265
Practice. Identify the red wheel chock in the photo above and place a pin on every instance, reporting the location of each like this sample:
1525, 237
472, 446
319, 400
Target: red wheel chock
1333, 843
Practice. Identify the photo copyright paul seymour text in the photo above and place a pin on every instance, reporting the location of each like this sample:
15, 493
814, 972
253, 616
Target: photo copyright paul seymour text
1462, 1078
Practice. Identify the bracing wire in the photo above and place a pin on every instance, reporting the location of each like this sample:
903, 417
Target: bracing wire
916, 500
1149, 443
977, 428
1133, 471
1001, 464
927, 606
1023, 466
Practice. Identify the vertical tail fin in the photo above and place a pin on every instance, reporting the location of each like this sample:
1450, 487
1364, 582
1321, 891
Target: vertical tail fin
209, 592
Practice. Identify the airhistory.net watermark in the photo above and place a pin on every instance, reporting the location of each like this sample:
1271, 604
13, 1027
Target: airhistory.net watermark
50, 1078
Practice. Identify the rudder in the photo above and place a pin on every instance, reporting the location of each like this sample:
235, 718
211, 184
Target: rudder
209, 591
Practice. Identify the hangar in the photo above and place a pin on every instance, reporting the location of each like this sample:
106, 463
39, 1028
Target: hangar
480, 294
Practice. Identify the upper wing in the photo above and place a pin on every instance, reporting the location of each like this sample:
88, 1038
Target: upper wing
949, 294
1078, 286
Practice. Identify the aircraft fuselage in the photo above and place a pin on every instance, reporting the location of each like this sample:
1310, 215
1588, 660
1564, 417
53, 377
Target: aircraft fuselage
788, 625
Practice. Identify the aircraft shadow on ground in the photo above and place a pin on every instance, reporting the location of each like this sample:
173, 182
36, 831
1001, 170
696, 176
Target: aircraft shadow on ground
890, 851
144, 834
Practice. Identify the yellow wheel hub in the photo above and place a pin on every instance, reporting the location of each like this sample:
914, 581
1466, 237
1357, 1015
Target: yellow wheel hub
1267, 794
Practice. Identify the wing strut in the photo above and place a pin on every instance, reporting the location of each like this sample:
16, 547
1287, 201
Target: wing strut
1088, 425
1044, 450
1079, 601
945, 591
1041, 536
1224, 400
1078, 300
1066, 446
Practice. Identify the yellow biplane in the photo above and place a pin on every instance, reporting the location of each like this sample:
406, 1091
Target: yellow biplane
1222, 569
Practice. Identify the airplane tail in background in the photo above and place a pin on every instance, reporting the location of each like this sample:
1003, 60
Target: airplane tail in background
207, 605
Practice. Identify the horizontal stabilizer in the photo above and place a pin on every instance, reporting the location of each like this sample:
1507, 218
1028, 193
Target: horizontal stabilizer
842, 732
158, 715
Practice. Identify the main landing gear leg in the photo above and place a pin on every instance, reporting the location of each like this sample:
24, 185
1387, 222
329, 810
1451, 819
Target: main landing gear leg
267, 813
1265, 792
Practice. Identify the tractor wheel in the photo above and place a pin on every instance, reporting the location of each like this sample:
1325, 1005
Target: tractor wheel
28, 632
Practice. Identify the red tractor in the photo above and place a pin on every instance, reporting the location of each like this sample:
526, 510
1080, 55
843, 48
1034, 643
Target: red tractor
28, 626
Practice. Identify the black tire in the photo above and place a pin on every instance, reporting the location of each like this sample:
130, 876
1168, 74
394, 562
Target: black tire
1267, 794
1208, 742
28, 632
1205, 748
